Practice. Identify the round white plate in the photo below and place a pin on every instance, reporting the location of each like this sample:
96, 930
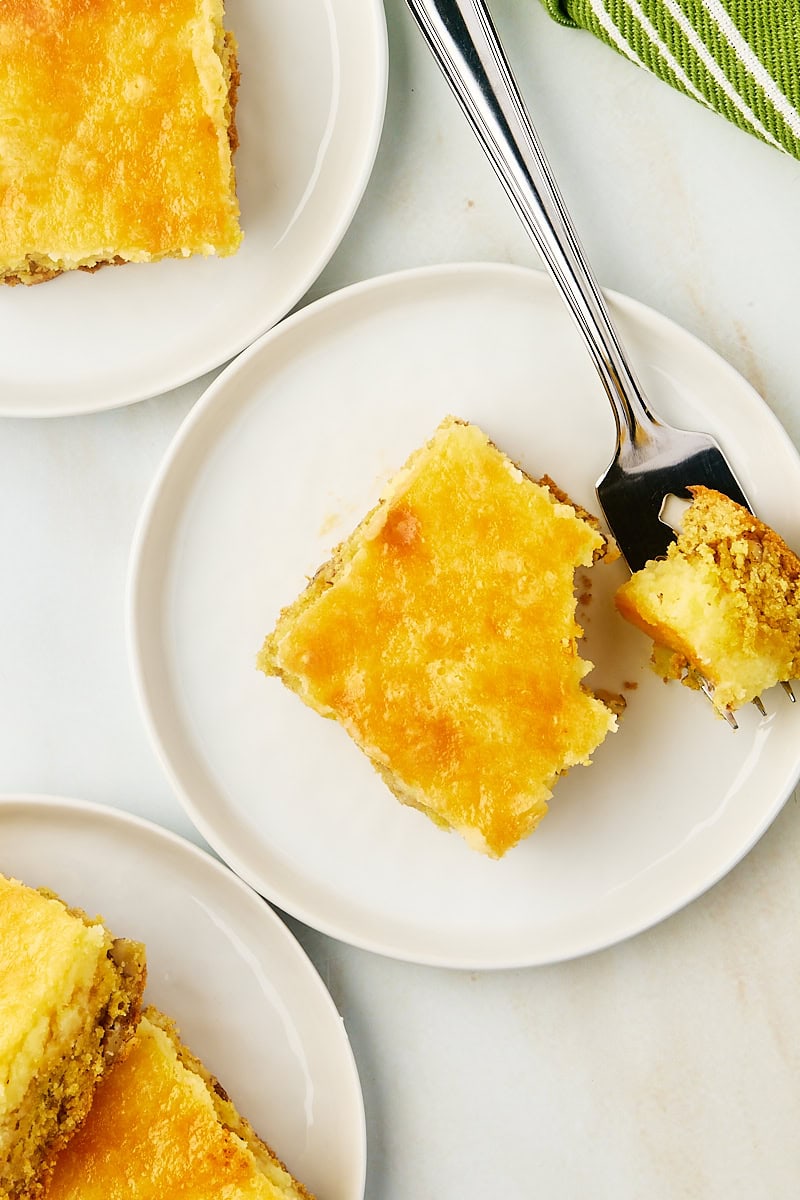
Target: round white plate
279, 460
310, 112
246, 999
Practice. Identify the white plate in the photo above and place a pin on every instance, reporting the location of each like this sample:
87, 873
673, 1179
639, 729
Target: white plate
277, 462
221, 963
310, 112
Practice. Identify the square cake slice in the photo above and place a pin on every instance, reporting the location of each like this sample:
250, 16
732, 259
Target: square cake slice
442, 636
163, 1127
70, 998
116, 134
723, 606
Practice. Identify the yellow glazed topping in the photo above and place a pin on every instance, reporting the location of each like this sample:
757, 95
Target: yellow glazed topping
114, 133
154, 1132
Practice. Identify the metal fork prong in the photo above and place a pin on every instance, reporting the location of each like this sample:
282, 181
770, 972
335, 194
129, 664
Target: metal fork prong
759, 703
787, 687
708, 691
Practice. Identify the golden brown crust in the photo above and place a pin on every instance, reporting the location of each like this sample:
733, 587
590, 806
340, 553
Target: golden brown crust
231, 61
34, 273
762, 544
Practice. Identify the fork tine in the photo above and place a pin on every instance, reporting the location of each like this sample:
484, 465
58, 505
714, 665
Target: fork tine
731, 719
708, 692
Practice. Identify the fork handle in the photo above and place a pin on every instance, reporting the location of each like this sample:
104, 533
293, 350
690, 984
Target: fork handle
465, 44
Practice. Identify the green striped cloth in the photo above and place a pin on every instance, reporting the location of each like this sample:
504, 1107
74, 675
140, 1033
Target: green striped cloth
740, 57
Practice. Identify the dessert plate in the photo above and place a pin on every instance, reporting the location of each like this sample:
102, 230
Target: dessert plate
310, 112
221, 963
277, 462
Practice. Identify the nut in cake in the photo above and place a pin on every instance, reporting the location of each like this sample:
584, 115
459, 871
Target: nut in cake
116, 134
723, 606
70, 997
162, 1126
442, 636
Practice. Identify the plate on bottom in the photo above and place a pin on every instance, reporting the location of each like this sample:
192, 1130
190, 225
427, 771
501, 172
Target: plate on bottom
277, 463
244, 995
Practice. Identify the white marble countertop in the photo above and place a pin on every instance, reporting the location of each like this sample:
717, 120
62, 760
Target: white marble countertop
664, 1067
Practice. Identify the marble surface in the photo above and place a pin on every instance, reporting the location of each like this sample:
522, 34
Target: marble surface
661, 1068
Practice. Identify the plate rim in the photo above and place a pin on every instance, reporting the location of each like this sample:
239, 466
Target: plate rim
111, 815
48, 409
649, 318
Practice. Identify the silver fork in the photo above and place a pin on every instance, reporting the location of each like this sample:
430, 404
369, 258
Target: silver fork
652, 460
